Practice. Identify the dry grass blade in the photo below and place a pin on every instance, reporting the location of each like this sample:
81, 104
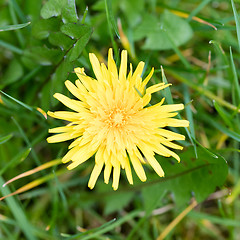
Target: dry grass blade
37, 169
177, 220
33, 184
197, 19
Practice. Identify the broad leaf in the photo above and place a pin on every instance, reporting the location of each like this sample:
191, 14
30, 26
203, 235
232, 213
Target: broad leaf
60, 76
53, 8
132, 10
75, 31
42, 28
66, 8
81, 34
61, 40
192, 177
69, 12
158, 31
76, 51
13, 72
46, 56
116, 202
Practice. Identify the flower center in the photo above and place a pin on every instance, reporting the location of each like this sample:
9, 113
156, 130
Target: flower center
116, 118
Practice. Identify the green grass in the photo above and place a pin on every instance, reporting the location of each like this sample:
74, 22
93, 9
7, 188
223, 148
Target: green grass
41, 42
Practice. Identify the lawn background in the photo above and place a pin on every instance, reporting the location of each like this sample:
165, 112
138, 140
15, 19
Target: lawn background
192, 44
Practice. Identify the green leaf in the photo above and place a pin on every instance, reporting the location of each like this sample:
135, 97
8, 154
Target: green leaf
59, 77
13, 73
53, 8
171, 40
63, 70
76, 51
152, 195
42, 28
47, 94
193, 176
154, 30
132, 10
5, 138
61, 40
117, 202
75, 31
81, 33
69, 12
66, 8
14, 27
46, 56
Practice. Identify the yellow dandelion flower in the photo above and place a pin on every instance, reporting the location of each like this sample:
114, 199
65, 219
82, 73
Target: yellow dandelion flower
112, 121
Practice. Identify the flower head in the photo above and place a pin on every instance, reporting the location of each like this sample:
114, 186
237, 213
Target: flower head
112, 120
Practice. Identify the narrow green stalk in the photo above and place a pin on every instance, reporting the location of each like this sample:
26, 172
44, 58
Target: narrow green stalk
35, 157
84, 15
19, 35
11, 47
107, 7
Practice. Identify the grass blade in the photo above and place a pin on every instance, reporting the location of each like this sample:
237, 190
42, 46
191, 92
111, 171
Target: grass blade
5, 138
237, 22
32, 184
17, 101
198, 9
224, 115
236, 88
11, 47
35, 157
111, 23
18, 11
14, 27
16, 160
18, 213
216, 220
166, 92
187, 100
106, 227
110, 16
37, 169
19, 35
203, 91
220, 127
